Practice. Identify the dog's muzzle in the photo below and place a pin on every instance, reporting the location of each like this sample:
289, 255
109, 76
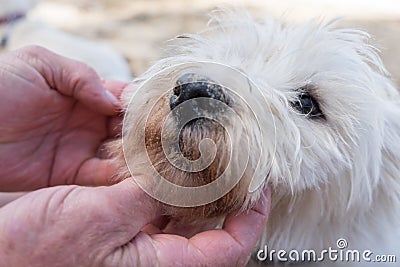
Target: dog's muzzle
191, 86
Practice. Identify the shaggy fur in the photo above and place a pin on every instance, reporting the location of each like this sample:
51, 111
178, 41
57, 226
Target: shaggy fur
332, 176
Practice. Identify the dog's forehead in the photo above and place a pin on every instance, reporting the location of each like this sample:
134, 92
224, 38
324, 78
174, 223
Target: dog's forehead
284, 55
295, 52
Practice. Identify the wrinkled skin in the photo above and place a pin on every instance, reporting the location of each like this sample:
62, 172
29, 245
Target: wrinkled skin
53, 117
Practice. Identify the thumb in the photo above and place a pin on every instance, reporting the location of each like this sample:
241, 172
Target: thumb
133, 207
88, 223
112, 214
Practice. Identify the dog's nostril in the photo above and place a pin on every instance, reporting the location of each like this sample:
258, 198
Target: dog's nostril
192, 85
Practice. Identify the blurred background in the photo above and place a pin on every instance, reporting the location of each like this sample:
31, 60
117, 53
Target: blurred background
138, 29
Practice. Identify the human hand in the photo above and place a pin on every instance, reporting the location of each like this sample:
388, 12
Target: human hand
54, 114
100, 226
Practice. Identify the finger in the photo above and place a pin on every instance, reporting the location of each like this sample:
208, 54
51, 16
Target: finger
71, 78
105, 217
238, 225
135, 206
115, 87
124, 91
238, 237
7, 197
178, 228
151, 229
117, 213
115, 122
95, 172
161, 222
230, 246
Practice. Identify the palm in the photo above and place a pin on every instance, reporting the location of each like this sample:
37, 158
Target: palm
46, 138
53, 149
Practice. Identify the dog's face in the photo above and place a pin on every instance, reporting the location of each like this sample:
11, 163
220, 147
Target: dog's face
301, 108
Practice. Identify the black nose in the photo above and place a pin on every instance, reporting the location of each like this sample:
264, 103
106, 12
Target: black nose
192, 85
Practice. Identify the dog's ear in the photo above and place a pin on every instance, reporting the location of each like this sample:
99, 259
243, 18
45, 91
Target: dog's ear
375, 164
389, 176
389, 109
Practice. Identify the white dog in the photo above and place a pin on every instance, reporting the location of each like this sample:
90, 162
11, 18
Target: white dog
17, 30
310, 111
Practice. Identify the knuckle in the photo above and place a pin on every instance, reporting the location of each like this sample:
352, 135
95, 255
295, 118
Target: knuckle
82, 74
34, 51
82, 67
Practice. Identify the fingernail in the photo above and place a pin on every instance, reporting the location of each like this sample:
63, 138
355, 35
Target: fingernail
112, 98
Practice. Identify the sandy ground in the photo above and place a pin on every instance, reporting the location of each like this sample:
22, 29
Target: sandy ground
140, 28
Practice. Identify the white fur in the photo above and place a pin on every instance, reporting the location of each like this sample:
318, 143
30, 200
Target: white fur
330, 179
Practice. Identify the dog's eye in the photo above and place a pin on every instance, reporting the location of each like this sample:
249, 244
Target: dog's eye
308, 106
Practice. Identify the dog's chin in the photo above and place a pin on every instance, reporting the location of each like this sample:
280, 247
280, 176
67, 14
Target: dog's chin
190, 137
